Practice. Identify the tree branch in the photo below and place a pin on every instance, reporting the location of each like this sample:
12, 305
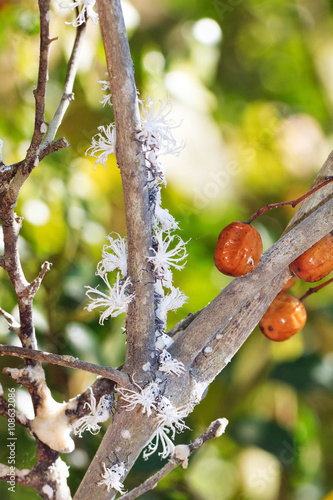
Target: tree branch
7, 173
67, 96
139, 431
183, 324
180, 456
21, 475
33, 287
69, 361
140, 317
13, 325
40, 92
6, 411
226, 307
48, 477
52, 147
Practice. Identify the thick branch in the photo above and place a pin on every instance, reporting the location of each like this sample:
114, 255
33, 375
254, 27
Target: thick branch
140, 318
227, 305
226, 343
56, 359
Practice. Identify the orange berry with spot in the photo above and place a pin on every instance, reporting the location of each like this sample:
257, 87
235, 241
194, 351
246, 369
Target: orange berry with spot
290, 282
238, 250
316, 262
285, 316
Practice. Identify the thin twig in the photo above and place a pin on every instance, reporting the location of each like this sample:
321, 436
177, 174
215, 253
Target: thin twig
35, 284
67, 95
292, 203
315, 289
13, 325
40, 92
20, 475
180, 456
52, 147
8, 411
56, 359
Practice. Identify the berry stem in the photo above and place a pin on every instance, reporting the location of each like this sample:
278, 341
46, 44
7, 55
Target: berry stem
315, 289
293, 203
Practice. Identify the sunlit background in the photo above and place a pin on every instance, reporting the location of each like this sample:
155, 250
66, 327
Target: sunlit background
251, 87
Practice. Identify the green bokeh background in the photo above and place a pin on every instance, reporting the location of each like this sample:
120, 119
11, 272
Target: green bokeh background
256, 112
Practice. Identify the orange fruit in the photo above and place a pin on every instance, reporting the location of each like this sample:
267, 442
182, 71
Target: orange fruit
285, 316
316, 262
238, 250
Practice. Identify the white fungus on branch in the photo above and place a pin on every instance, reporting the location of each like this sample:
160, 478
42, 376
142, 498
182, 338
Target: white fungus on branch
181, 453
58, 473
51, 424
223, 422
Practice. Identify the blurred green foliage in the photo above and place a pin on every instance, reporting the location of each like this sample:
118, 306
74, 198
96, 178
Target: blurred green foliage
256, 105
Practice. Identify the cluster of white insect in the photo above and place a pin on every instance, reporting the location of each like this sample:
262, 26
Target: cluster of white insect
146, 397
98, 413
168, 364
168, 250
168, 418
111, 476
86, 11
